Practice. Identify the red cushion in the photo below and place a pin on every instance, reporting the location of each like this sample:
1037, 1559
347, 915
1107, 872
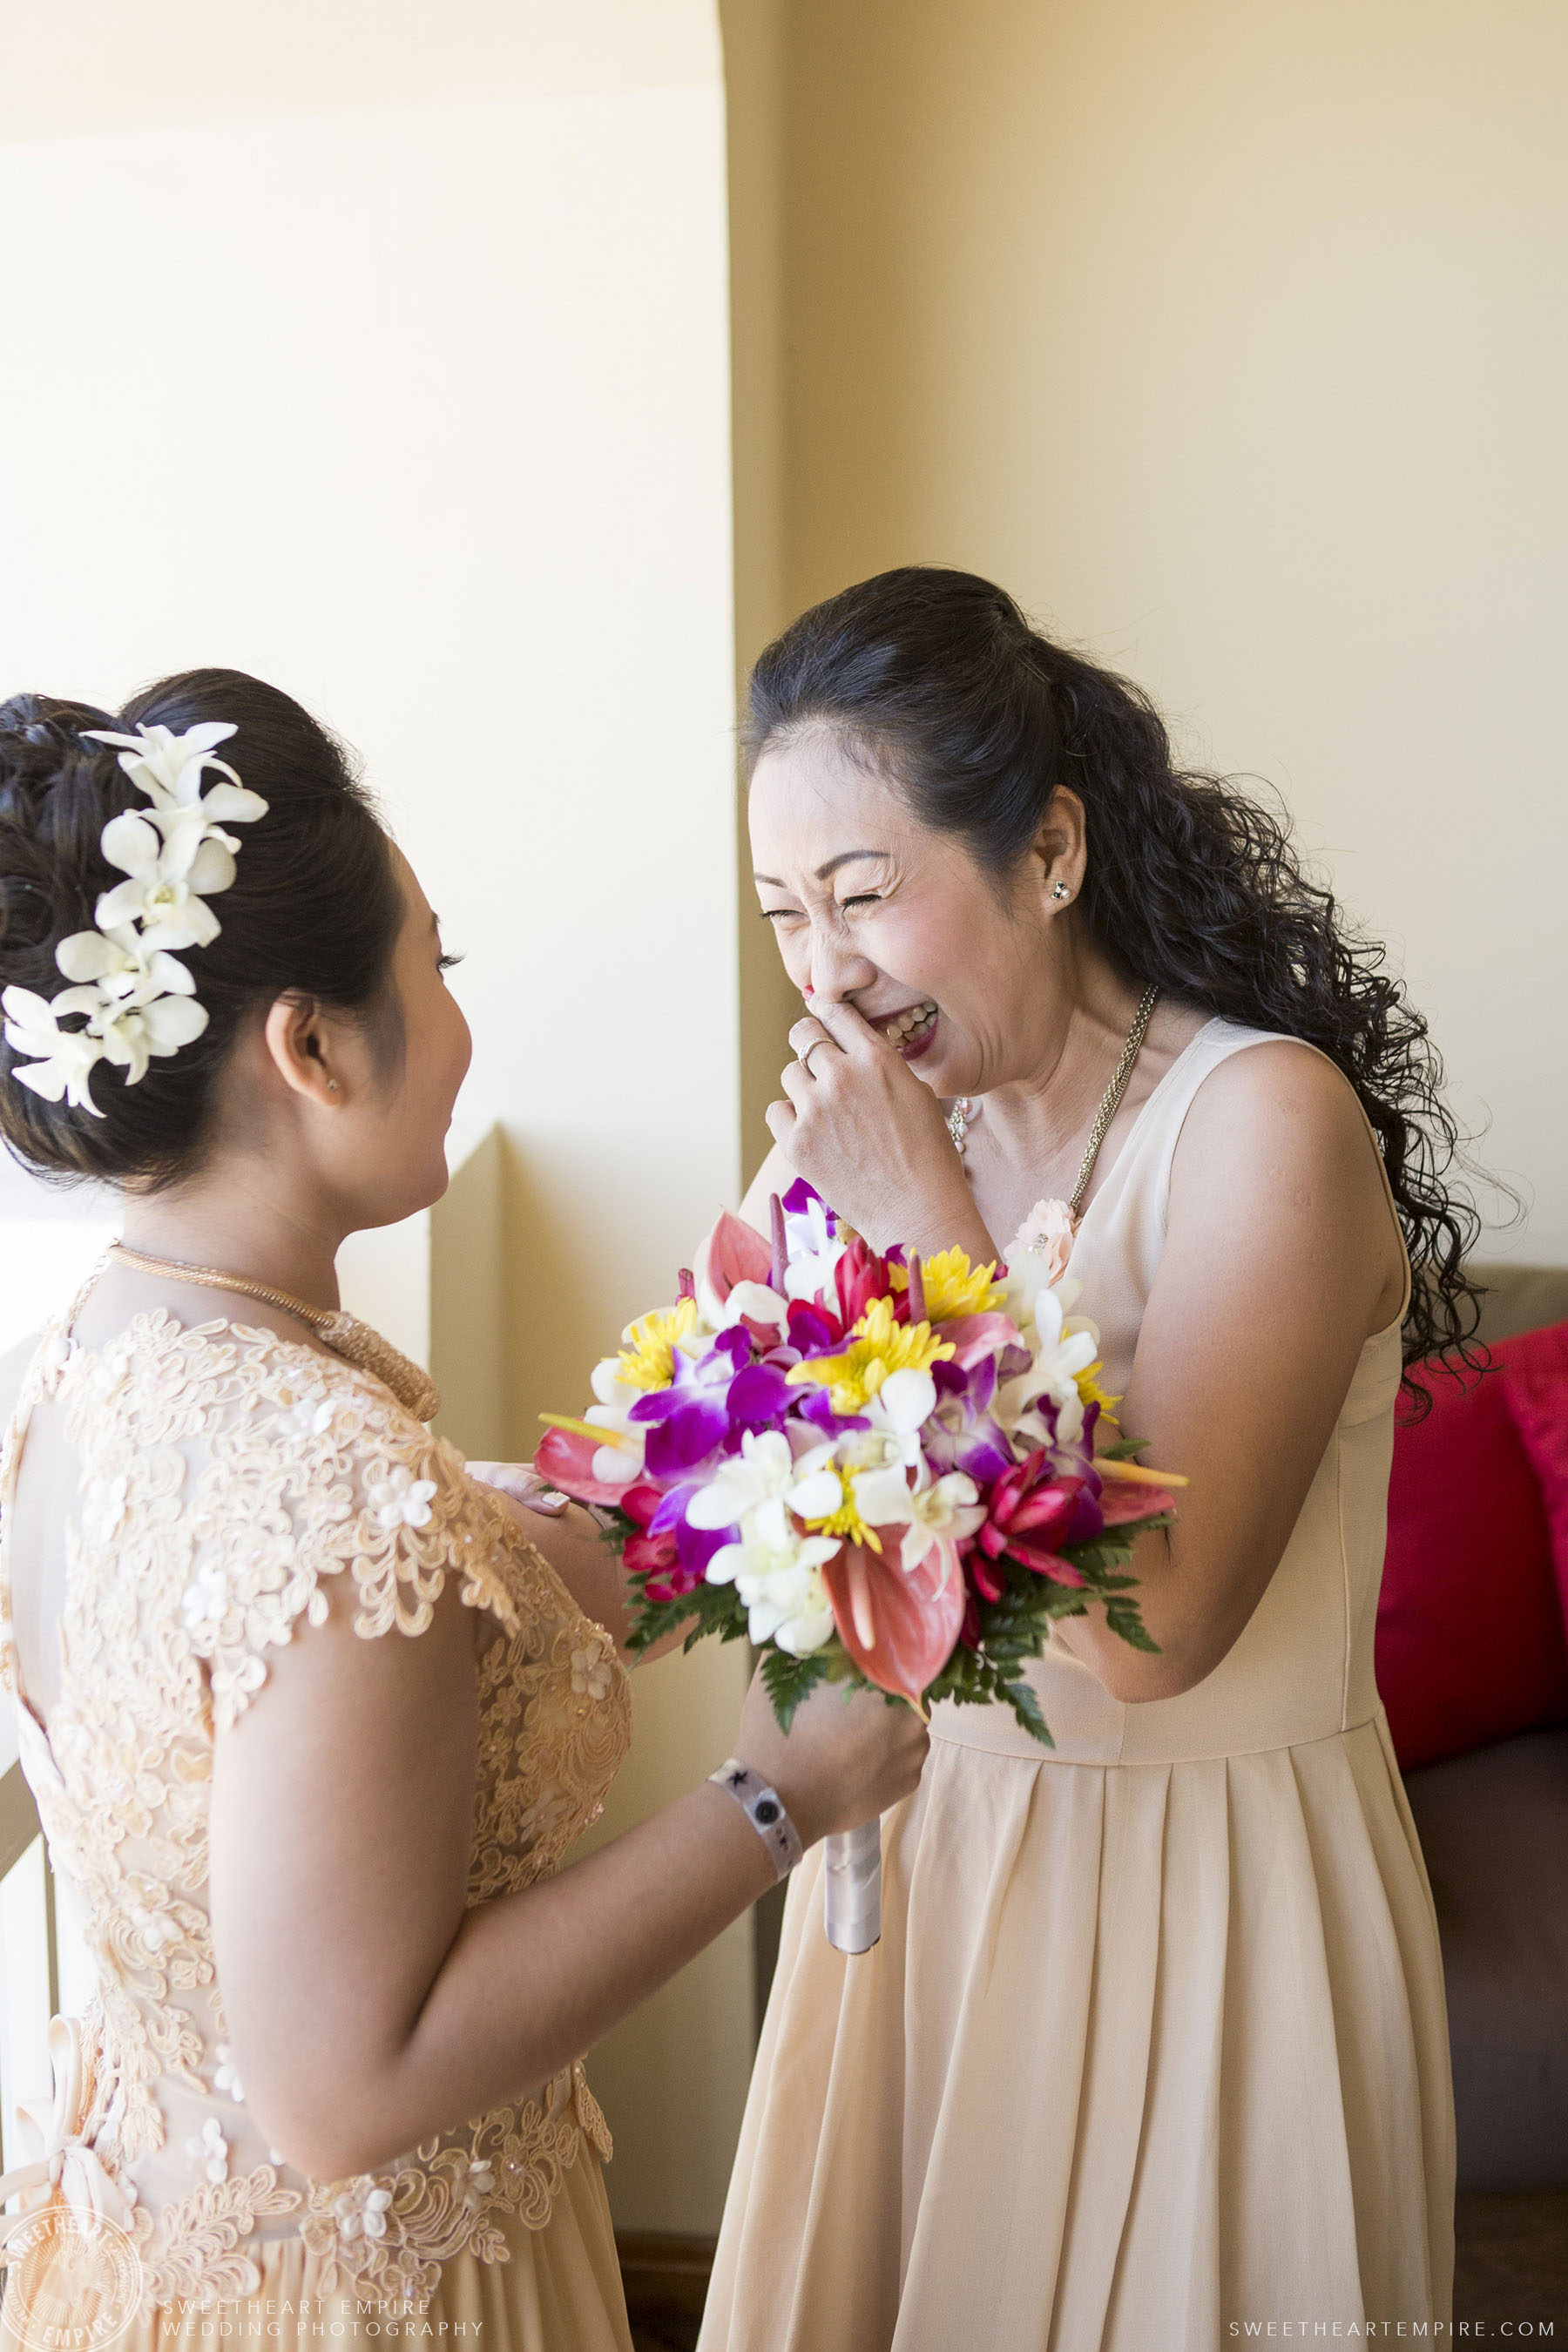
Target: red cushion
1470, 1645
1537, 1394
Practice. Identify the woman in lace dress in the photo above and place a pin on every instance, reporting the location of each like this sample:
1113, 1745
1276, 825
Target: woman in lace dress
1153, 2052
310, 1719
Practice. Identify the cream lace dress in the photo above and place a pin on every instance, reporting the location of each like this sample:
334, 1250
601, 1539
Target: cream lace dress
1152, 2054
236, 1488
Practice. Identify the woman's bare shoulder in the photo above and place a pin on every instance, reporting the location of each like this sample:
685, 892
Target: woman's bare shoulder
1279, 1079
1276, 1149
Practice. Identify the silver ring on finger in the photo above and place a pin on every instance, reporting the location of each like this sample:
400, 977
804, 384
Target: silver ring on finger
805, 1059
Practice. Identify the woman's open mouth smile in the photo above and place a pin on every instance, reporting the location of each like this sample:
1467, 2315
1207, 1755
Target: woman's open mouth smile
911, 1030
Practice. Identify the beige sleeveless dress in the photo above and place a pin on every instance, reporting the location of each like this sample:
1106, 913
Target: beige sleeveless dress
1153, 2046
237, 1488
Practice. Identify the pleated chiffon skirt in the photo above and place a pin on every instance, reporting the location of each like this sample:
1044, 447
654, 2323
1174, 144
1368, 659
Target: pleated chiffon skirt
1148, 2051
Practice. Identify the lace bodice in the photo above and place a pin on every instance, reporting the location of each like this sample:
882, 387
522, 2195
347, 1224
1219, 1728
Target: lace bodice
234, 1486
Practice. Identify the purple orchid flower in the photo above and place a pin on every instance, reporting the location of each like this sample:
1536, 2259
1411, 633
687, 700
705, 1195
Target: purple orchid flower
758, 1398
707, 1409
695, 1547
685, 1437
816, 1405
691, 1379
962, 1434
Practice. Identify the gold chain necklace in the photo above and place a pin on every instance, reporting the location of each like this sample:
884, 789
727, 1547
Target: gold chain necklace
959, 1115
343, 1333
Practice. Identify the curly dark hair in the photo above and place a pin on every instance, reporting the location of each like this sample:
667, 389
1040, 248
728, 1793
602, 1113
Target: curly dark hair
314, 908
977, 720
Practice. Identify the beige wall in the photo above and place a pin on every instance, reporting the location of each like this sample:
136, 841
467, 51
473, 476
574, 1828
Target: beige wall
1231, 337
384, 351
756, 56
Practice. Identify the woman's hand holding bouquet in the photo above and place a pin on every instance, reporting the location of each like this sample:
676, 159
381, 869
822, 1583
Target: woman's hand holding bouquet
883, 1471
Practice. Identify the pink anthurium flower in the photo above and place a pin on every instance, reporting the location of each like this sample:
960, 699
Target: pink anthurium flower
569, 1460
898, 1624
731, 1279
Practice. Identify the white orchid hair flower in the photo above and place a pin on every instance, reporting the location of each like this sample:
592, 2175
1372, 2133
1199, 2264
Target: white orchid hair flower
136, 999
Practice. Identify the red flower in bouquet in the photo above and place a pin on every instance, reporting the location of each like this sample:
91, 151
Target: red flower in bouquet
1035, 1511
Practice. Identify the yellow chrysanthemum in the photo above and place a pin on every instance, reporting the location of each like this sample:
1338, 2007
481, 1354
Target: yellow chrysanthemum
846, 1521
877, 1348
952, 1286
650, 1362
1091, 1392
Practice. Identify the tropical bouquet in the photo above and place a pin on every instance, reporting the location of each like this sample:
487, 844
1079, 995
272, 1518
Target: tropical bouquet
883, 1470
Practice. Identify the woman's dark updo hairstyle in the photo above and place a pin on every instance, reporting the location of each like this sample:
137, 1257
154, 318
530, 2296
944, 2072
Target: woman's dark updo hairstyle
314, 908
937, 677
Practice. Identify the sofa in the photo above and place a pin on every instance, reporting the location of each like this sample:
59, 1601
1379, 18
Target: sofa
1493, 1824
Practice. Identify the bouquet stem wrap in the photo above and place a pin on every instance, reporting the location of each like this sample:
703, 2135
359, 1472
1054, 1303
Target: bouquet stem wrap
852, 1887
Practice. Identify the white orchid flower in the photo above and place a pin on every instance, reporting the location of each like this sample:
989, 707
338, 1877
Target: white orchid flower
753, 1301
830, 1476
196, 852
900, 1409
138, 999
778, 1576
615, 1395
762, 1471
169, 768
619, 1461
66, 1058
126, 962
943, 1513
1064, 1347
133, 1034
616, 1467
815, 1251
167, 884
856, 1450
819, 1494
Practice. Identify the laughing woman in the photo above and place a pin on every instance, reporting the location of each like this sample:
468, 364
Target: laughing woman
1153, 2046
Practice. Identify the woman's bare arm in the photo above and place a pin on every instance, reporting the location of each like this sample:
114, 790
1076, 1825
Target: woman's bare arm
1282, 1257
367, 2007
774, 1175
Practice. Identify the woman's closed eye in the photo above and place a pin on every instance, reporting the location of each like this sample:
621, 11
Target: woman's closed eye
777, 914
447, 961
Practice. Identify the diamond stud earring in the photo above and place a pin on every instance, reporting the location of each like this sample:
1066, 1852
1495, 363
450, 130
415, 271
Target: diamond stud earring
1061, 890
